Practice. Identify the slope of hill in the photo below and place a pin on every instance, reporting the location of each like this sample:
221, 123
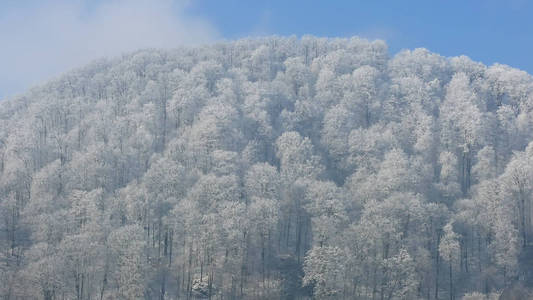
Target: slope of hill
265, 169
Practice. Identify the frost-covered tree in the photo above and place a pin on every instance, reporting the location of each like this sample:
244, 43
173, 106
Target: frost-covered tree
324, 268
449, 251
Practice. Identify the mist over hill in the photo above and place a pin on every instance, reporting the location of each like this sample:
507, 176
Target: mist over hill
271, 168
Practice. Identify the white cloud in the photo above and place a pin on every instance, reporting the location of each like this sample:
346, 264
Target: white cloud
39, 41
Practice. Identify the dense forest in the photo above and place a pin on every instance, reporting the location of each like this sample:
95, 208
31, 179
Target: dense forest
269, 168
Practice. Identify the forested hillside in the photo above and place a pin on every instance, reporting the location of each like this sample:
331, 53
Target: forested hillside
272, 168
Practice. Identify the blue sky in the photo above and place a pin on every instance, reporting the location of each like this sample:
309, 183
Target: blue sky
488, 31
41, 39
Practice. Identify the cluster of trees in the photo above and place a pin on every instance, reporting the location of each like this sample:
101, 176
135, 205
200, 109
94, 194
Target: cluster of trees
272, 168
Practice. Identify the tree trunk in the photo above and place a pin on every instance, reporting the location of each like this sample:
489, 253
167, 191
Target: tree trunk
451, 281
437, 269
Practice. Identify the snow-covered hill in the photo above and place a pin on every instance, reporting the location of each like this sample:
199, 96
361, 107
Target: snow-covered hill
267, 168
